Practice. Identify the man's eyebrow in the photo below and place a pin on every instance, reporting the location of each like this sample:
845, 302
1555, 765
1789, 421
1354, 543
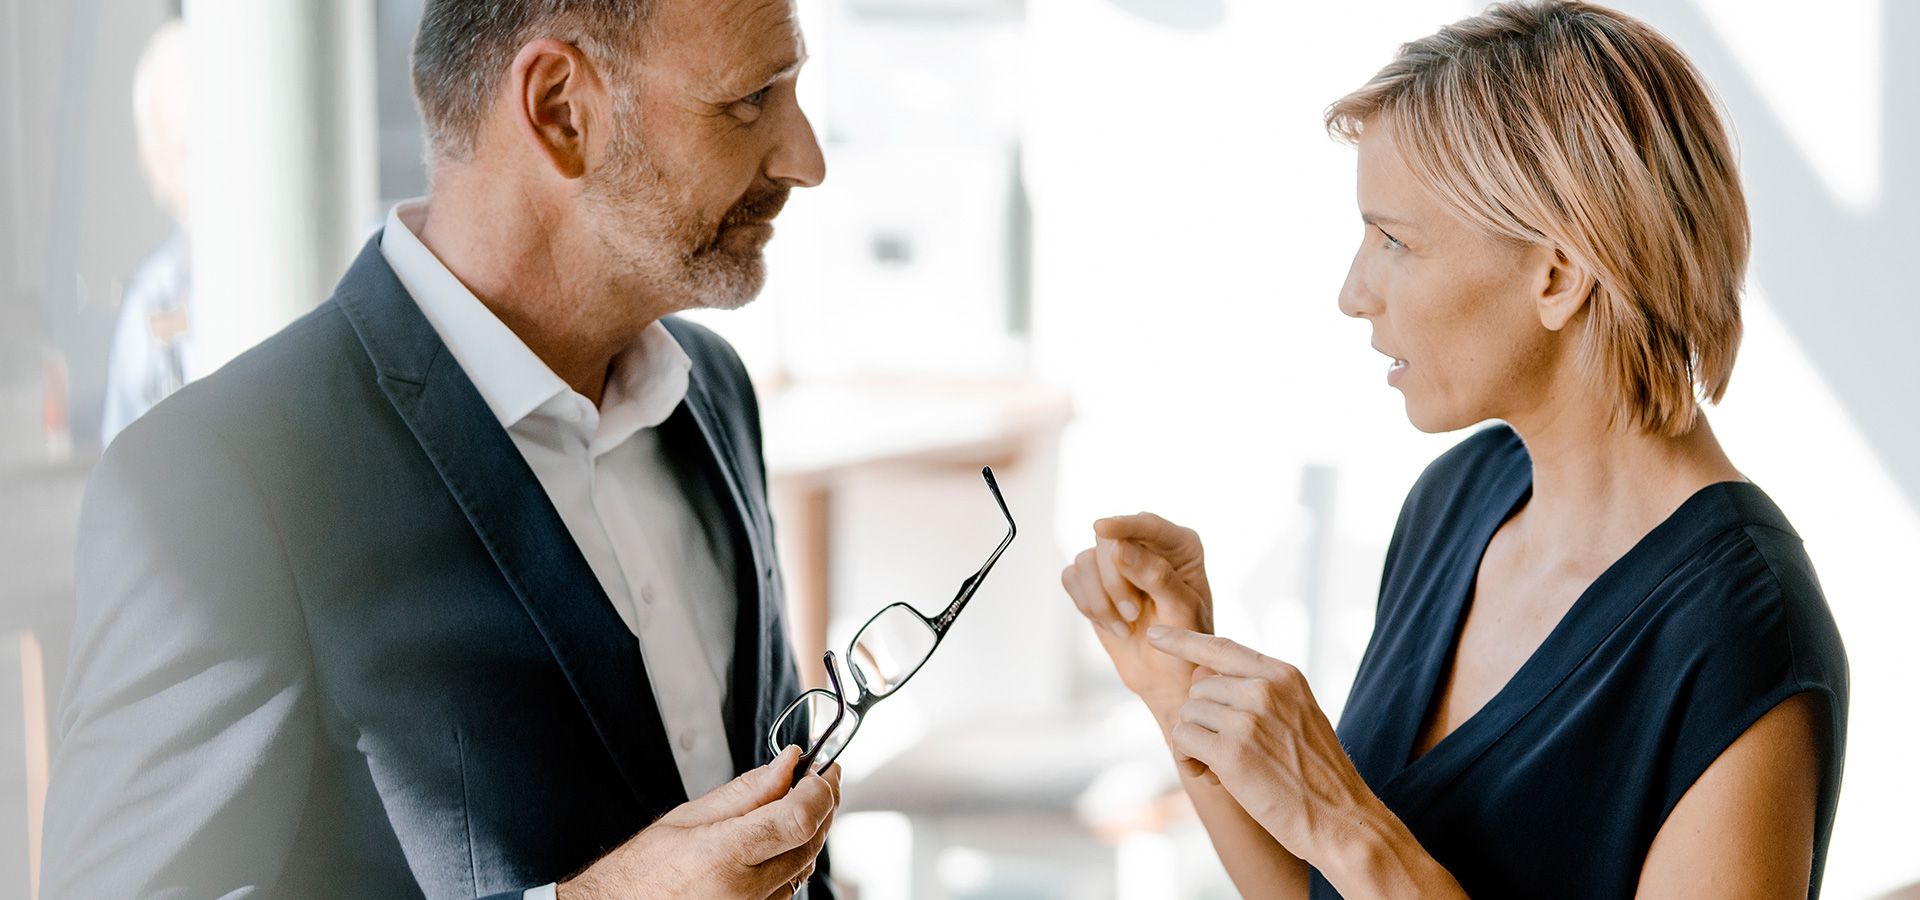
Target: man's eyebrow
786, 70
789, 70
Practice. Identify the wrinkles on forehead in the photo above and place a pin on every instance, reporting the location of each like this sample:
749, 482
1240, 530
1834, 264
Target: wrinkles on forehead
727, 45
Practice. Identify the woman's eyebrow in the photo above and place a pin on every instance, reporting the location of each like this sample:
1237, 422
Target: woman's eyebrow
1379, 220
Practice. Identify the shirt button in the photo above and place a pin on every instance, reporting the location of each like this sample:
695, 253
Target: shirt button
687, 741
646, 596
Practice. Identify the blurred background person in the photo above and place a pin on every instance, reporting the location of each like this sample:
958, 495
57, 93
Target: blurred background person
153, 335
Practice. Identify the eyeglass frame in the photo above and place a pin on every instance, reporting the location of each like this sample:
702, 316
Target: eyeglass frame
867, 700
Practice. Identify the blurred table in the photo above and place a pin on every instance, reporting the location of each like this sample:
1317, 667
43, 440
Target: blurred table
821, 433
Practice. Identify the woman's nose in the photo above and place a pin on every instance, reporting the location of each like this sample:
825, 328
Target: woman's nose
1357, 297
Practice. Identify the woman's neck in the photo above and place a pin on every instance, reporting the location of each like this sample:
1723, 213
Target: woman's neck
1598, 489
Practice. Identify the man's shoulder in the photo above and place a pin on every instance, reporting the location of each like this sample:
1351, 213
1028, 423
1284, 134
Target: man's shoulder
289, 381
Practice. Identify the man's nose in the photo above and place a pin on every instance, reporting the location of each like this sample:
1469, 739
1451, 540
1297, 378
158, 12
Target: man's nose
797, 160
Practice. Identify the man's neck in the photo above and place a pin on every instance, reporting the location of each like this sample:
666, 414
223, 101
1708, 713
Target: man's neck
533, 271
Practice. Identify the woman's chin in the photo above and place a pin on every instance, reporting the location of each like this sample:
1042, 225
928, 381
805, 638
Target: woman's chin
1429, 420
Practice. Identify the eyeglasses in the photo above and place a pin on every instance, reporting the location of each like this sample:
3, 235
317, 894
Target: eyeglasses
885, 652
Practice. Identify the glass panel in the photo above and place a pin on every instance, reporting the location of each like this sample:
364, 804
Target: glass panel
803, 721
890, 649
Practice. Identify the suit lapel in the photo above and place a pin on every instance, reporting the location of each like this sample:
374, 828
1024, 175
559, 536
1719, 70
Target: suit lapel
513, 517
759, 647
746, 695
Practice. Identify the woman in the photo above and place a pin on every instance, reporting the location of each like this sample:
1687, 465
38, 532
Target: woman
1601, 665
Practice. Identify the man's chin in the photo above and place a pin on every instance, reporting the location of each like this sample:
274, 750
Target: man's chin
730, 281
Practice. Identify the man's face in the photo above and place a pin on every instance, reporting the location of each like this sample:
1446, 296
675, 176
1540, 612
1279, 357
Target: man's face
708, 140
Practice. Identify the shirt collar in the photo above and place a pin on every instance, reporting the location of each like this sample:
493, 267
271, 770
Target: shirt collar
645, 384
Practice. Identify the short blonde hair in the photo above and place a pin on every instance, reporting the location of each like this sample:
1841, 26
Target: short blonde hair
1571, 125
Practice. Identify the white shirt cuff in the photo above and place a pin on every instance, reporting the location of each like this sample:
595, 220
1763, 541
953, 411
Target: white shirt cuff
544, 892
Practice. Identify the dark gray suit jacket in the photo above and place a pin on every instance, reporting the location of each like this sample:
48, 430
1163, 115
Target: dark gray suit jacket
332, 638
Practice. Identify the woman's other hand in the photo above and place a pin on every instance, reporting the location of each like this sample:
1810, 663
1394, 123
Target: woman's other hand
1256, 726
1143, 571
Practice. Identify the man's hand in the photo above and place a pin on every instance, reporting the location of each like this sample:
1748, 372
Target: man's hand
749, 839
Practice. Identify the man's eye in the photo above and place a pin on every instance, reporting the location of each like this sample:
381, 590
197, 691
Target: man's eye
757, 97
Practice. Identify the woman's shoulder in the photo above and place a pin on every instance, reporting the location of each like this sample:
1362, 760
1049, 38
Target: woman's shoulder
1736, 624
1748, 594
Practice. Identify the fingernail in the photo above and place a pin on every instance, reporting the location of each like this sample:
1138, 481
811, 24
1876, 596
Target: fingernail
1129, 553
1129, 610
1119, 629
1158, 631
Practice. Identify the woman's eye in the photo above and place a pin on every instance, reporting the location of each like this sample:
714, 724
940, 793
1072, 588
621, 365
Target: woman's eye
1393, 243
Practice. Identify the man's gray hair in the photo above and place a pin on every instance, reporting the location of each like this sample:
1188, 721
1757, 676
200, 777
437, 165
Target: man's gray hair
464, 47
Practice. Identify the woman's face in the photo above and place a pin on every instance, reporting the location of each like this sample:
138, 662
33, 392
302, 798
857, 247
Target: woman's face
1458, 311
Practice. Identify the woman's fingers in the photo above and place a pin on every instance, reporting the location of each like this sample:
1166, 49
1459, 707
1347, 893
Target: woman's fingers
1149, 529
1152, 573
1082, 581
1250, 694
1127, 599
1214, 717
1210, 650
1195, 741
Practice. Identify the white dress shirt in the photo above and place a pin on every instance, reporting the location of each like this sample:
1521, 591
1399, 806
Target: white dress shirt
662, 553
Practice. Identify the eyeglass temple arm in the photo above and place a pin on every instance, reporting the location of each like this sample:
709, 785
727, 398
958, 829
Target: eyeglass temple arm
968, 587
805, 763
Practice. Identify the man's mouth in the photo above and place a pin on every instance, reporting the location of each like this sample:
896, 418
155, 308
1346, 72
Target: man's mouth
758, 209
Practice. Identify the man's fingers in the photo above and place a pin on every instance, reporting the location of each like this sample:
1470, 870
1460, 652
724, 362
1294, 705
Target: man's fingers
1210, 650
1127, 599
1082, 581
742, 795
798, 863
783, 824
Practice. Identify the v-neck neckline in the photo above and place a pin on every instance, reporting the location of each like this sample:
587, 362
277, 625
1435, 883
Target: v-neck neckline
1600, 608
1434, 677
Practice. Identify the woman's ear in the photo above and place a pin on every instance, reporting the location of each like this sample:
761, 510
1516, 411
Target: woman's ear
1565, 291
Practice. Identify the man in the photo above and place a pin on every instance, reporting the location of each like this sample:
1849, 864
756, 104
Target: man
465, 582
151, 340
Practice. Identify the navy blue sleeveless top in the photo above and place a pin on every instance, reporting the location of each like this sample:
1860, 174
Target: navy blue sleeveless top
1557, 786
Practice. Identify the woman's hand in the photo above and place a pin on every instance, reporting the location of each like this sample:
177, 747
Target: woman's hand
1257, 727
1143, 571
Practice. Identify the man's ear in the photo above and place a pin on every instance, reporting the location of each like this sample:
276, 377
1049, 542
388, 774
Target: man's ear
1564, 291
556, 103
